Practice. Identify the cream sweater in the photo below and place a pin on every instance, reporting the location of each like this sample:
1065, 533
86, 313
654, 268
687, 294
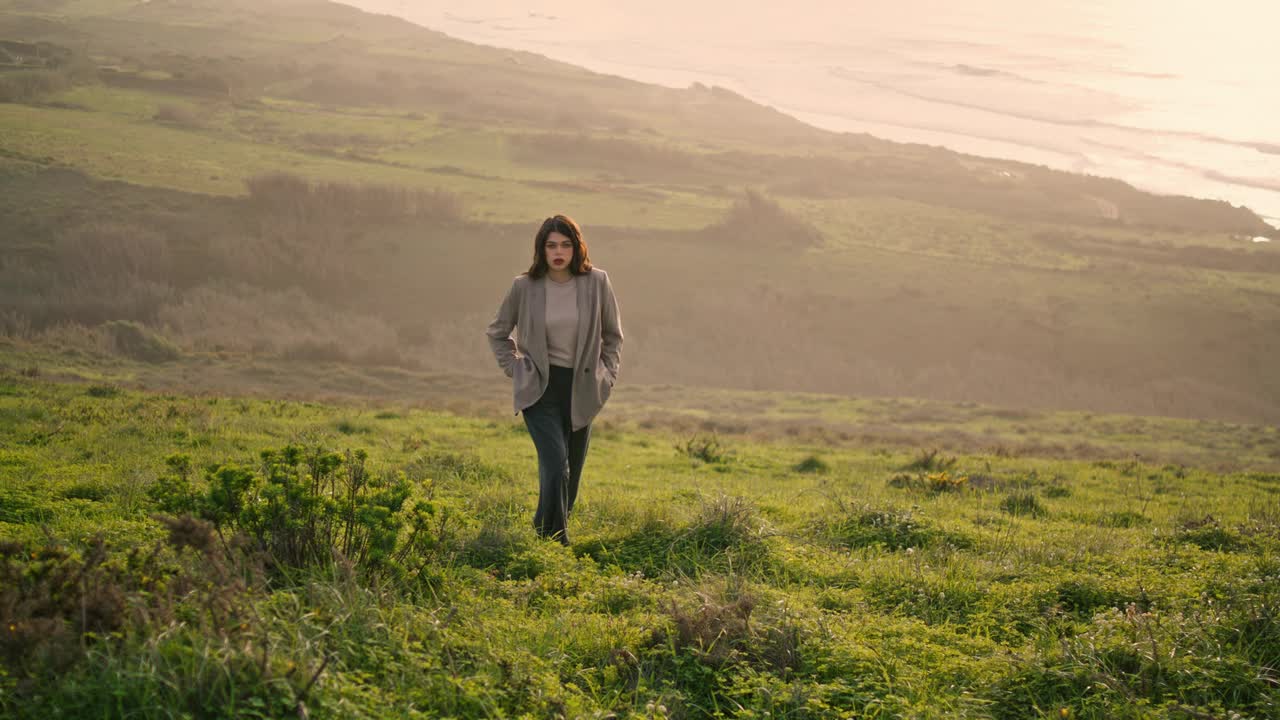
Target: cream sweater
562, 321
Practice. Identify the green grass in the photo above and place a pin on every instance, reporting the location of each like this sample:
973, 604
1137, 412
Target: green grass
746, 586
806, 419
736, 553
117, 138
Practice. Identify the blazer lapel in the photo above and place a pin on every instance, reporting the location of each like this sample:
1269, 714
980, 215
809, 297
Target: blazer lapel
584, 317
538, 324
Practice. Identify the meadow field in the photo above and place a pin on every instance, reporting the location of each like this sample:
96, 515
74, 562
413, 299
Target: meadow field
901, 433
169, 554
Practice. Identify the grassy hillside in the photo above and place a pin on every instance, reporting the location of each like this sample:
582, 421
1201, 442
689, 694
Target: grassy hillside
887, 442
820, 420
750, 251
889, 299
706, 579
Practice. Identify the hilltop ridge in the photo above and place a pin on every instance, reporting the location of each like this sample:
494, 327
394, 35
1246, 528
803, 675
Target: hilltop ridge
265, 179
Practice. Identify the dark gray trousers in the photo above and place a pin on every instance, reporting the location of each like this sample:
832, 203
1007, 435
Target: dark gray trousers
561, 453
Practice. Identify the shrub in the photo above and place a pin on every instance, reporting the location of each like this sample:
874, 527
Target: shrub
1057, 490
290, 322
14, 324
946, 482
1023, 504
291, 196
91, 491
349, 427
935, 482
177, 115
87, 251
50, 599
28, 85
755, 219
136, 341
1124, 519
706, 448
174, 626
930, 461
306, 508
719, 632
727, 522
811, 464
172, 492
495, 546
1207, 533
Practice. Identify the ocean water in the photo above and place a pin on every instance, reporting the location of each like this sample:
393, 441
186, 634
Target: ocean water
1174, 96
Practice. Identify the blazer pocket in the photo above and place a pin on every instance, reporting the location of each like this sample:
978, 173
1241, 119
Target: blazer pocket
520, 369
603, 376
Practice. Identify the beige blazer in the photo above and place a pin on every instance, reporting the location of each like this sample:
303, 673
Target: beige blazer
524, 357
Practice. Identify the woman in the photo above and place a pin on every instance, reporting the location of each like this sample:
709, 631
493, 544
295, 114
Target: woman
563, 360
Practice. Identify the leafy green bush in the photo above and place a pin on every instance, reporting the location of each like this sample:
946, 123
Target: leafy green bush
308, 508
173, 626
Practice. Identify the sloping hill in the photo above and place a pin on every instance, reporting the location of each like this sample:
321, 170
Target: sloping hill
751, 250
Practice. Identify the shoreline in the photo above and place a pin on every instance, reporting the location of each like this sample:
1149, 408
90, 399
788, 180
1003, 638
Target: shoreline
1099, 127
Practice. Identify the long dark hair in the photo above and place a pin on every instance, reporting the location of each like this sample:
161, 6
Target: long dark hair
563, 224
